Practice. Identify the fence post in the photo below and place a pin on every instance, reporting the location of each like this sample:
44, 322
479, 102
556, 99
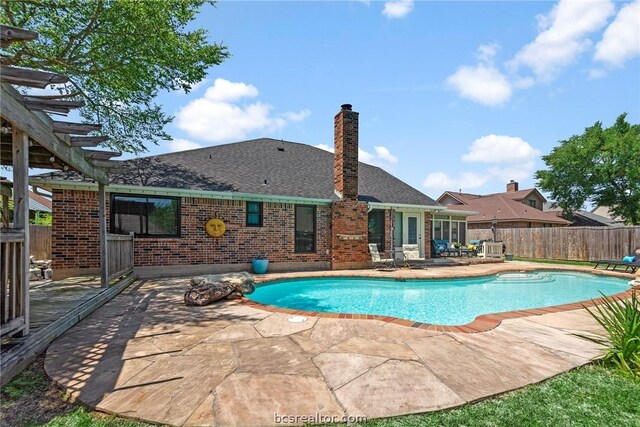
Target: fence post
102, 229
21, 219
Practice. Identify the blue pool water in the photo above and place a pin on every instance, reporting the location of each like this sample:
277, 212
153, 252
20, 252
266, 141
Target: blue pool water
438, 301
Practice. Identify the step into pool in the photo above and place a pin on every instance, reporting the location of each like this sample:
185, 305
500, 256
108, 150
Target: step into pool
437, 301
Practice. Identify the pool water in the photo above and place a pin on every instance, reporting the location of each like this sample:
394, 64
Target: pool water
437, 301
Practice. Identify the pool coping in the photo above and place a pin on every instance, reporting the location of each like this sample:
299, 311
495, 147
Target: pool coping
482, 323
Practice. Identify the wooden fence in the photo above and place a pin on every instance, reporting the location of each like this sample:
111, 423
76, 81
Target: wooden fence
567, 243
40, 241
120, 254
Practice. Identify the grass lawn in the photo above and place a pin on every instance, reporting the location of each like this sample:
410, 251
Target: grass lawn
589, 396
555, 261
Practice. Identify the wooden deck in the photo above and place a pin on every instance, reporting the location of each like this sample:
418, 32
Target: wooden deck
55, 307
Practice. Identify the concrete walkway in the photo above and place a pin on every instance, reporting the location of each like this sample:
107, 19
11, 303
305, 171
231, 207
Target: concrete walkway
145, 355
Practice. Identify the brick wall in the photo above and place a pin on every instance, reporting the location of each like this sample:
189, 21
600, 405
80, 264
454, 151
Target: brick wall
349, 233
74, 238
345, 167
427, 235
75, 234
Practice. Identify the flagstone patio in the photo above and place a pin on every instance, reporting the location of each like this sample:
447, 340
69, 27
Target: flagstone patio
145, 355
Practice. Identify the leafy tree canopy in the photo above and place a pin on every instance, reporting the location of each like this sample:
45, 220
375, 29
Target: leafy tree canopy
601, 166
118, 55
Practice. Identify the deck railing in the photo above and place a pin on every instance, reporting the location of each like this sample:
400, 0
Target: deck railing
12, 305
120, 255
491, 250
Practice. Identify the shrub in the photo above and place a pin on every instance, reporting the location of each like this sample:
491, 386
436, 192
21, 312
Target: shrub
621, 320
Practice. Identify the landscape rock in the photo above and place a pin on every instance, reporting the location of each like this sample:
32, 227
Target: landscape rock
206, 294
242, 282
234, 295
207, 289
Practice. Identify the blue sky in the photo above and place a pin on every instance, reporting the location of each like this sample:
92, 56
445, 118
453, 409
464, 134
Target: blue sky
451, 95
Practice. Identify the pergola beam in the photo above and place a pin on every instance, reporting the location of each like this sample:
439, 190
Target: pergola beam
10, 35
88, 141
40, 128
52, 105
75, 128
102, 155
30, 78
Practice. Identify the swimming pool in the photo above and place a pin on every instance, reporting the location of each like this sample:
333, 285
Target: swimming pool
437, 301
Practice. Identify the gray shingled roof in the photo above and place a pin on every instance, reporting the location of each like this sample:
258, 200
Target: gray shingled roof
259, 166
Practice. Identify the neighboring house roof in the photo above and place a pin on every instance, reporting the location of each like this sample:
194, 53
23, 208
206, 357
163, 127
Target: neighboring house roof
585, 218
36, 201
39, 203
503, 207
262, 166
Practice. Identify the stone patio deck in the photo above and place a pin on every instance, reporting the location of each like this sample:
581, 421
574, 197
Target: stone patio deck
145, 355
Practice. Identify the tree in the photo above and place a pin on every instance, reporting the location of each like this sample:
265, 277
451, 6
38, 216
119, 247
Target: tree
601, 166
118, 55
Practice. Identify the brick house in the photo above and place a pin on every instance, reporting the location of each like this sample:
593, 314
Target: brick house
299, 206
514, 208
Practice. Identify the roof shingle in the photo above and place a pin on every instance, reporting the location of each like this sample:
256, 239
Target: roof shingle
262, 166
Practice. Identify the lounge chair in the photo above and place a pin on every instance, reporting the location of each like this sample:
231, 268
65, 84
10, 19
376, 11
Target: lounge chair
378, 261
631, 263
412, 257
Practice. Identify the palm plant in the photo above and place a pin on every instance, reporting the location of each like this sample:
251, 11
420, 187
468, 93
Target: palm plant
620, 318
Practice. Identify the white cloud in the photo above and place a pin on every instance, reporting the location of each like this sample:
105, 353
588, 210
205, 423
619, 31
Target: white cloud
217, 116
564, 35
297, 117
439, 182
179, 144
324, 147
381, 156
486, 52
621, 39
500, 149
397, 9
483, 84
507, 158
224, 90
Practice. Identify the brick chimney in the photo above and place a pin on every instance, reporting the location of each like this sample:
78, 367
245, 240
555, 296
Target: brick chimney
345, 162
512, 186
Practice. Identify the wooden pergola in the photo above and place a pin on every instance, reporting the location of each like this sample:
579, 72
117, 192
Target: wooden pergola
31, 138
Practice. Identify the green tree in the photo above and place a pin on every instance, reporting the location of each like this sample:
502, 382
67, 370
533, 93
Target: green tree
601, 166
118, 55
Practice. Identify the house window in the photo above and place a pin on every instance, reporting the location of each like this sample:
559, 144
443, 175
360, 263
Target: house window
305, 229
145, 216
532, 203
376, 228
254, 214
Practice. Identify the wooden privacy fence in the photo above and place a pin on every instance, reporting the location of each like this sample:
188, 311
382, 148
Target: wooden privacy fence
120, 255
40, 241
567, 243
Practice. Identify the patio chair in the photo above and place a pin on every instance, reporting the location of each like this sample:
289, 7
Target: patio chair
439, 247
412, 257
378, 261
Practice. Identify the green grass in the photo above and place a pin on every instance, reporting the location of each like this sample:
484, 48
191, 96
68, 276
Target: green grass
81, 417
591, 396
555, 261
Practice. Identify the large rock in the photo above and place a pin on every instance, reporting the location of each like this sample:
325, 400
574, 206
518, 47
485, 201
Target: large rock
206, 293
207, 289
242, 282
